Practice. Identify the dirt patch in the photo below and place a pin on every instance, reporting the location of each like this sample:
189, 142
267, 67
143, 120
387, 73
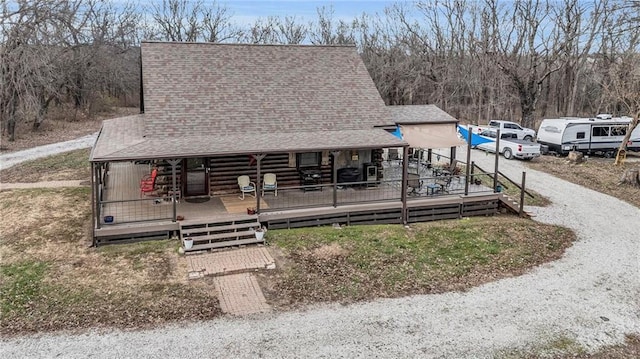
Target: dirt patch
598, 174
329, 251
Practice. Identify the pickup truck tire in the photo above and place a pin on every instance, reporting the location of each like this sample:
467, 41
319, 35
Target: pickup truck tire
507, 153
528, 138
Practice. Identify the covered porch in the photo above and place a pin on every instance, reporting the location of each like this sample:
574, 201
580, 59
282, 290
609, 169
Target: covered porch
122, 202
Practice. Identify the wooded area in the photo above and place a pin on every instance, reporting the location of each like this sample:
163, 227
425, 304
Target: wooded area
477, 60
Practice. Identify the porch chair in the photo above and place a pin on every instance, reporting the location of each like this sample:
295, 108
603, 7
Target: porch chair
148, 182
414, 184
270, 183
444, 183
246, 186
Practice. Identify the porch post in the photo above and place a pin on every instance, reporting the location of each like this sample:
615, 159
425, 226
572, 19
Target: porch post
452, 155
93, 203
469, 169
96, 189
174, 164
495, 169
258, 158
403, 191
334, 168
429, 151
521, 209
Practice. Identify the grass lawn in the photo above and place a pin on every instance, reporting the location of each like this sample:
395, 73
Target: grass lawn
50, 279
73, 165
367, 262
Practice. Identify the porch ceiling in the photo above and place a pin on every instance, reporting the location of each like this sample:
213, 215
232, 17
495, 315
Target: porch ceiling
122, 140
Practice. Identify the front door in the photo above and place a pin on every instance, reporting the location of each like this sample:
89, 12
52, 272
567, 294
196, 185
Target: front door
196, 176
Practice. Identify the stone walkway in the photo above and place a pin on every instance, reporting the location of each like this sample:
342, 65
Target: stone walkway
240, 294
238, 290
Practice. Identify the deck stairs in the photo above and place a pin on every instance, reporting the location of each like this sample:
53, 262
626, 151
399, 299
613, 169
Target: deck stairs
221, 232
513, 205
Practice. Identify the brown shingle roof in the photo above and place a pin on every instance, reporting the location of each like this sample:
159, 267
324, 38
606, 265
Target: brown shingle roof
223, 89
211, 99
118, 134
240, 143
416, 114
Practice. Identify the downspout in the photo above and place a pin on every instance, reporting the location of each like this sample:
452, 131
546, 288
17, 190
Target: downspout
141, 85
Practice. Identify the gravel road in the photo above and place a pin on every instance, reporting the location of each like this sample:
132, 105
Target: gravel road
13, 158
590, 296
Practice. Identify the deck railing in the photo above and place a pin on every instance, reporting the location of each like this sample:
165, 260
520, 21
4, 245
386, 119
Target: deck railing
136, 210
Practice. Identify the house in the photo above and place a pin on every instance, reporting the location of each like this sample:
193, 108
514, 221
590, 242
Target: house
211, 113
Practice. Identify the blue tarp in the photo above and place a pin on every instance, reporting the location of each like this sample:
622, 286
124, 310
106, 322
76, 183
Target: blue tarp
475, 139
397, 133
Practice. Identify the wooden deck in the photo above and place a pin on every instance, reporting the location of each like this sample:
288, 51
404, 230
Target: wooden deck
149, 216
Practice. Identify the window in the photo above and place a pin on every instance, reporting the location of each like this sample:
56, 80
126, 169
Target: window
618, 130
309, 159
488, 133
600, 131
580, 135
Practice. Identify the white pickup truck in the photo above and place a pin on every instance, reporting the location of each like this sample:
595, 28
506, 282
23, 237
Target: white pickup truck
522, 133
510, 145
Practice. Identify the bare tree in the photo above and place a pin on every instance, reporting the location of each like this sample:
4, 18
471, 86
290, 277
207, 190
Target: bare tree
523, 49
51, 50
325, 30
187, 20
291, 32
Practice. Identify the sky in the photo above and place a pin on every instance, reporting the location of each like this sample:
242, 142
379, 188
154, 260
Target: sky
247, 11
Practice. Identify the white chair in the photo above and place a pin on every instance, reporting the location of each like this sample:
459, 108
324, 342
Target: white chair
246, 186
270, 183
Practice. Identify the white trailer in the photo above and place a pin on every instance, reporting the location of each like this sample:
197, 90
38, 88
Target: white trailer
587, 135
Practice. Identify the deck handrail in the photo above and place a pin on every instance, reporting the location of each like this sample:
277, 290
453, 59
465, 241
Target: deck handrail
508, 179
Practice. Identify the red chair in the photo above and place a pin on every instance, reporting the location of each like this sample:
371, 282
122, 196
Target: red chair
148, 182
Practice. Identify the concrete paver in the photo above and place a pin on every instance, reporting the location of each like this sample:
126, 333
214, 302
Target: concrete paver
240, 294
230, 261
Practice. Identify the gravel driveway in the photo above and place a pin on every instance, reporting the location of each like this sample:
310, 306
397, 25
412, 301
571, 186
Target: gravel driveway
13, 158
589, 296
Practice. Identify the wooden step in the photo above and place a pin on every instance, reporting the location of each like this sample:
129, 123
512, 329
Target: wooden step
192, 231
230, 235
239, 242
223, 232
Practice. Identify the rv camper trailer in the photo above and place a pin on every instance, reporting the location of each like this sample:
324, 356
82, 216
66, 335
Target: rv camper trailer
587, 135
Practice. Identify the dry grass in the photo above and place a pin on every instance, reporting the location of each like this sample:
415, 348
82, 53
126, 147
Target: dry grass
565, 348
73, 165
50, 273
367, 262
598, 174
